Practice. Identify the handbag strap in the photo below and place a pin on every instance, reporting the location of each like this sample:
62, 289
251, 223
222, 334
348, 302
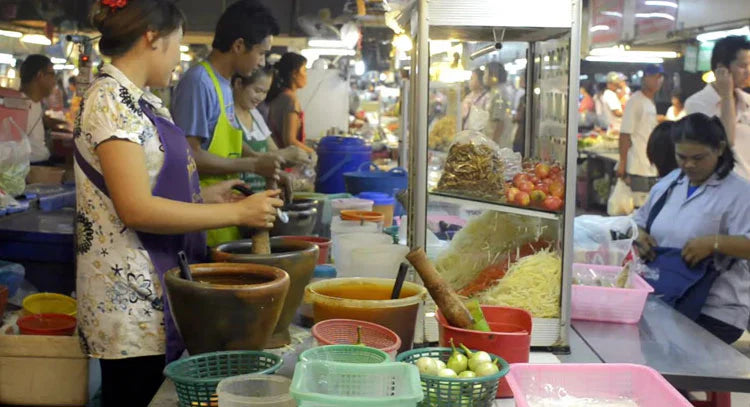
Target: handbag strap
659, 204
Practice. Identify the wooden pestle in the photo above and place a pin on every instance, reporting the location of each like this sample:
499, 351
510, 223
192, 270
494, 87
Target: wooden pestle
447, 300
262, 238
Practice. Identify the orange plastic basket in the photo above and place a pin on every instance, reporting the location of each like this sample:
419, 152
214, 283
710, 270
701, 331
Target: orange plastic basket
344, 332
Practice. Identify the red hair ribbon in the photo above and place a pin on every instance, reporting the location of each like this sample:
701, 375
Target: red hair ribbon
113, 4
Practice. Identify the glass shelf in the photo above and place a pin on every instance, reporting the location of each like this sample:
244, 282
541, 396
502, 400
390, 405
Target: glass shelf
493, 206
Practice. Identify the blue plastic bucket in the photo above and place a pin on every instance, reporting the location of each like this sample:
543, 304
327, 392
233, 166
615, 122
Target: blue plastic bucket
336, 156
367, 180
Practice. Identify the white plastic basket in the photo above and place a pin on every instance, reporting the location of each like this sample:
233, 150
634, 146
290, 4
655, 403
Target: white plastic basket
607, 304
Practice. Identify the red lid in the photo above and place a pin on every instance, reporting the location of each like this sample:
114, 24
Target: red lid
47, 324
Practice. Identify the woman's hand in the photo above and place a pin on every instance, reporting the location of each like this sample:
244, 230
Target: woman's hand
645, 245
698, 249
222, 192
294, 155
259, 210
268, 166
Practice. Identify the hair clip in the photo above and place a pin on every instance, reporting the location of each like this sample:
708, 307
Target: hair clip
114, 4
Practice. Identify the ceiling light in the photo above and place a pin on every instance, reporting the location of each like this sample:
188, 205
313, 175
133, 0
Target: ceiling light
185, 57
11, 34
661, 3
715, 35
599, 28
359, 68
520, 61
625, 59
402, 42
184, 48
60, 67
320, 43
611, 14
37, 39
7, 59
383, 77
56, 60
621, 51
655, 15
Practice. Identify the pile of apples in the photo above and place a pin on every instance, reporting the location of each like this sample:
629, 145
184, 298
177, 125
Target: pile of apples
541, 186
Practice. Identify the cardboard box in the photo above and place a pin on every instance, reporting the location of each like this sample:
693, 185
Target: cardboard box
42, 371
39, 174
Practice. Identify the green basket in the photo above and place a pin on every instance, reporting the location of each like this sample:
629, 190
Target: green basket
345, 354
449, 392
196, 377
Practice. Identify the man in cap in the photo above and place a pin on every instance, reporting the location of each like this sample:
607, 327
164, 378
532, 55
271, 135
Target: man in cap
638, 121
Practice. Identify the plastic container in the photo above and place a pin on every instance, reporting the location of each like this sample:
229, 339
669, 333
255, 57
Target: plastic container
344, 246
325, 210
381, 261
354, 204
366, 216
324, 244
368, 299
305, 311
318, 384
47, 324
607, 381
510, 337
49, 303
336, 156
196, 377
344, 331
11, 276
345, 354
382, 203
449, 392
607, 304
370, 179
255, 390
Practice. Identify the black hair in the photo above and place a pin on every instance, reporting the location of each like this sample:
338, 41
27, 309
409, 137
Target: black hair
480, 77
122, 27
255, 77
497, 73
31, 66
677, 93
285, 69
708, 131
726, 49
660, 148
601, 87
248, 20
73, 80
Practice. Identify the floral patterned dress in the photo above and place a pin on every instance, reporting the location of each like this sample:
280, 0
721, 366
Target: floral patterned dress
119, 293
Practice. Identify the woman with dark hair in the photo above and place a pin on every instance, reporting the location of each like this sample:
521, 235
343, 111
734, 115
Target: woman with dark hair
139, 202
660, 149
677, 110
476, 103
703, 208
285, 113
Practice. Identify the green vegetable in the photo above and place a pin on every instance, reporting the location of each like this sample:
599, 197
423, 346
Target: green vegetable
480, 324
467, 374
476, 358
447, 373
486, 369
427, 366
457, 362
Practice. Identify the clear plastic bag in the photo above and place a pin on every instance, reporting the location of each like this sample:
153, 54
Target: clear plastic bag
621, 200
603, 240
15, 153
474, 167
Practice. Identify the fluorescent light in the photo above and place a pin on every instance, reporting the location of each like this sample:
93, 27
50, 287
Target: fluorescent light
185, 57
583, 77
715, 35
61, 67
403, 43
359, 68
7, 59
184, 48
383, 77
621, 51
599, 28
11, 34
520, 61
611, 13
37, 39
319, 43
56, 60
330, 51
625, 59
655, 15
661, 3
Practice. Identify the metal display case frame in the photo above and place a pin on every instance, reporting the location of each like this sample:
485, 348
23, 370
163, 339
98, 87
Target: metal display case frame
551, 28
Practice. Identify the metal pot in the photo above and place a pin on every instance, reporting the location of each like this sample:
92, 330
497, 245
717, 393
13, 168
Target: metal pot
301, 223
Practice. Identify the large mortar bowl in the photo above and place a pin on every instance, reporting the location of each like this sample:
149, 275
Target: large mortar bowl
227, 306
297, 258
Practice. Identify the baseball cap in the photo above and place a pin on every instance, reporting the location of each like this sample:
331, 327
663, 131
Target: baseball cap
613, 77
653, 69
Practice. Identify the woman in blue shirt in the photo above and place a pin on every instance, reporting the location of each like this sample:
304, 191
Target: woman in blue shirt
706, 213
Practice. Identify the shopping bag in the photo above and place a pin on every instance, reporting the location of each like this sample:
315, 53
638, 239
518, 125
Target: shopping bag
621, 200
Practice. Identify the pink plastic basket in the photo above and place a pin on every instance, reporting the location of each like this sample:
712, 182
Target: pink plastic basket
606, 304
642, 384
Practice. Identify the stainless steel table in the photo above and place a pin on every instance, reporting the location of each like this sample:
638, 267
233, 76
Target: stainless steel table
687, 355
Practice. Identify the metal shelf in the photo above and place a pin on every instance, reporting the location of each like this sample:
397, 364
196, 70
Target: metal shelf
493, 206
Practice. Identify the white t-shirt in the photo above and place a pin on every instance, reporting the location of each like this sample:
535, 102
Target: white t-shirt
639, 120
35, 131
612, 103
672, 117
708, 102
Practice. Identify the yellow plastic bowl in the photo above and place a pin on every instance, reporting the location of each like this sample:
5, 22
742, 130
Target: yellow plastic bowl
49, 303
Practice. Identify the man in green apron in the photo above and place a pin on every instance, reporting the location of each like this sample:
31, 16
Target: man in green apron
203, 106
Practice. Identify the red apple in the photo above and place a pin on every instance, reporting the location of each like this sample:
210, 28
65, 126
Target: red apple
538, 196
533, 179
548, 181
511, 193
542, 187
555, 169
520, 178
526, 186
553, 203
522, 199
542, 170
557, 189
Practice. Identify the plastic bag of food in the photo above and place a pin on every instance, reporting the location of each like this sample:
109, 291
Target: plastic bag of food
621, 200
15, 153
603, 240
473, 168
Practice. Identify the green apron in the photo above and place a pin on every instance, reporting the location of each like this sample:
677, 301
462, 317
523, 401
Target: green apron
227, 143
254, 181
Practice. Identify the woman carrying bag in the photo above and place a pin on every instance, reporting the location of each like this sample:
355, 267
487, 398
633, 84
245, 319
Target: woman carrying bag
695, 229
138, 201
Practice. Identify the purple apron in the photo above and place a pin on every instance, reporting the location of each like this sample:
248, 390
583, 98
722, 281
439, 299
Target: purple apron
176, 182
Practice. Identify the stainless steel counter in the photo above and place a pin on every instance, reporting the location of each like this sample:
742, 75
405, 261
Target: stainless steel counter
683, 352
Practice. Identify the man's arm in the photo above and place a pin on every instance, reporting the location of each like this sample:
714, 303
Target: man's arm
624, 146
212, 164
724, 86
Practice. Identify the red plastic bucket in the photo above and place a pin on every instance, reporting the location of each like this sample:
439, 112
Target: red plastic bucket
323, 243
510, 337
47, 324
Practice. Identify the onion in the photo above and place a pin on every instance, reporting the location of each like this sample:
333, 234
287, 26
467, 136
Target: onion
486, 369
427, 366
447, 373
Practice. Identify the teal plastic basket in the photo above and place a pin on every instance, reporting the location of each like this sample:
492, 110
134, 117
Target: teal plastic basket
331, 384
196, 377
345, 354
449, 392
